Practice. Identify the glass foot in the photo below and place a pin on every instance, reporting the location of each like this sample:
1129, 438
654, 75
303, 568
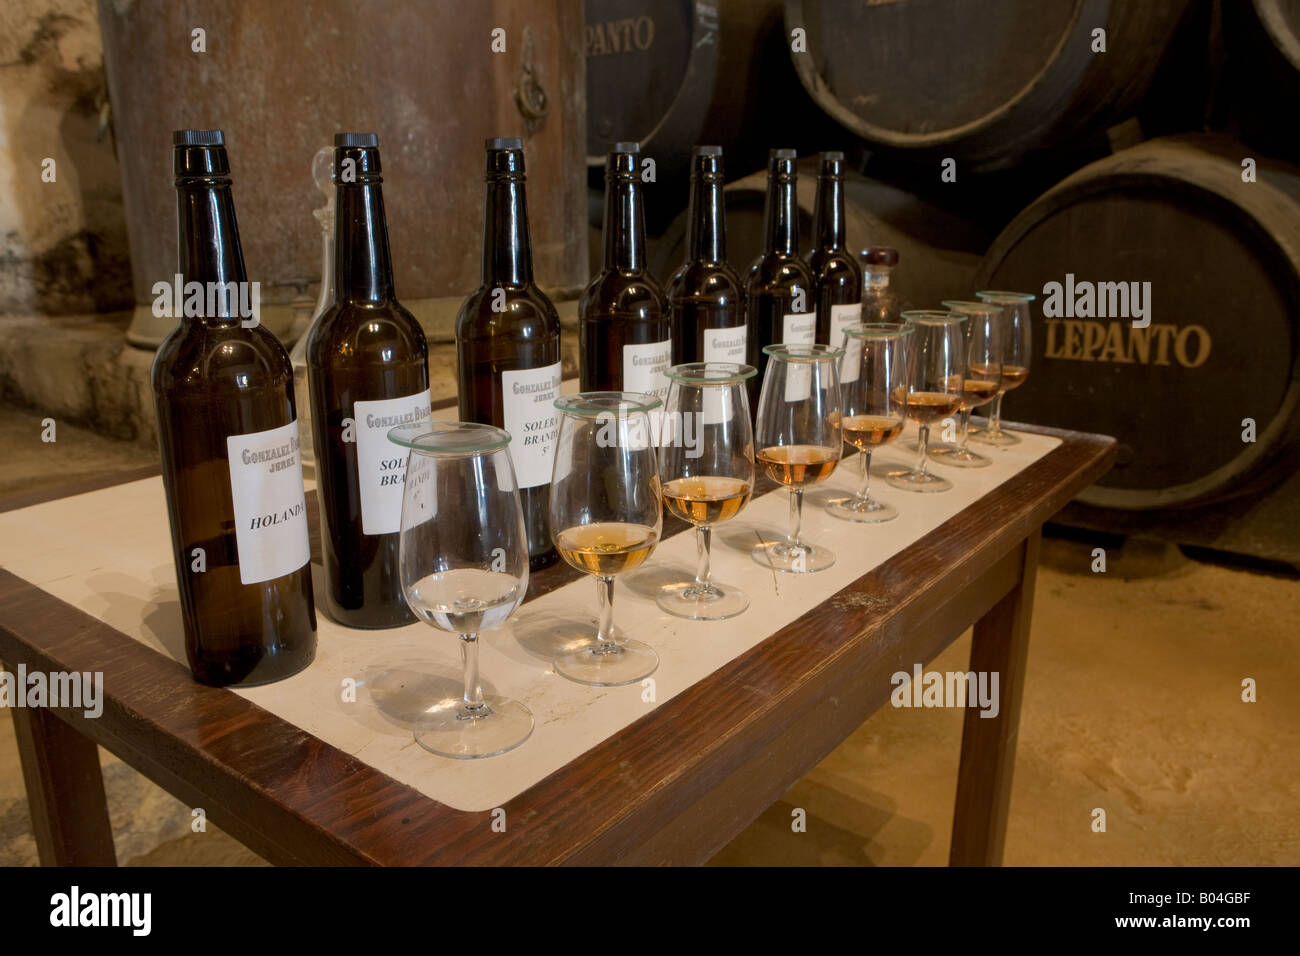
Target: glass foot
450, 729
911, 479
867, 510
717, 603
956, 457
793, 559
1002, 437
607, 665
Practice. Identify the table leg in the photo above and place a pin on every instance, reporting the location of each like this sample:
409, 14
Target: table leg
988, 745
65, 791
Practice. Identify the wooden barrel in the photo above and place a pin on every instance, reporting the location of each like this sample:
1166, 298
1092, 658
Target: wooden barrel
1218, 262
1263, 41
281, 91
937, 251
985, 83
670, 74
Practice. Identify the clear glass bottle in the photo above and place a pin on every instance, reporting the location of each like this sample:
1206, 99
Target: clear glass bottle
321, 165
880, 301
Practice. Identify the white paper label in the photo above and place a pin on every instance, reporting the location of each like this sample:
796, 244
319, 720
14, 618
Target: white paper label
726, 345
528, 399
798, 328
722, 345
270, 507
381, 465
643, 371
843, 316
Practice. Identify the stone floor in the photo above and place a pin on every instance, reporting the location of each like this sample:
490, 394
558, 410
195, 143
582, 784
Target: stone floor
1133, 705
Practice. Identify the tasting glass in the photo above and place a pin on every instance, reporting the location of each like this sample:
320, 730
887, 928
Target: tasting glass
873, 383
1015, 361
606, 518
936, 368
706, 468
799, 441
463, 555
985, 344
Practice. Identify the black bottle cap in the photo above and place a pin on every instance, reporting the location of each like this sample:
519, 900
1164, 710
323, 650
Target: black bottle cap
781, 165
198, 137
363, 150
831, 166
358, 140
505, 159
706, 164
621, 163
199, 153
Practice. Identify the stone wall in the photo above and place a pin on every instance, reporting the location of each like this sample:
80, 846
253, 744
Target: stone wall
63, 246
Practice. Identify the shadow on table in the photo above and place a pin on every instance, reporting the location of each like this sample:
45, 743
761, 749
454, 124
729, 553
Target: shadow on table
404, 693
745, 537
542, 634
649, 581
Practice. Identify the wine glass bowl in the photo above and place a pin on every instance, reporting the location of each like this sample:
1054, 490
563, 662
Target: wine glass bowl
1015, 359
873, 383
706, 467
800, 441
606, 518
463, 560
985, 333
934, 390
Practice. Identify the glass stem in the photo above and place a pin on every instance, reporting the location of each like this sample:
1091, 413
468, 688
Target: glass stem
703, 536
605, 604
866, 474
473, 687
995, 421
965, 429
796, 517
923, 445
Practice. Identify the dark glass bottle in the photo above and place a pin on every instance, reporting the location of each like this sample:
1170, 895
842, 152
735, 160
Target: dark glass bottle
779, 293
367, 371
228, 434
880, 301
624, 336
836, 272
508, 345
705, 295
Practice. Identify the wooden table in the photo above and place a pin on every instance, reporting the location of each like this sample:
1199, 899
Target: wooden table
673, 788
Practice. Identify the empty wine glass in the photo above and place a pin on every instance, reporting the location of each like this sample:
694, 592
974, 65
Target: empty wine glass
985, 338
463, 555
706, 466
1015, 360
873, 383
799, 441
936, 367
606, 518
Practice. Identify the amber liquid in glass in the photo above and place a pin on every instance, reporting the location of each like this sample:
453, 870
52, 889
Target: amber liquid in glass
606, 548
797, 465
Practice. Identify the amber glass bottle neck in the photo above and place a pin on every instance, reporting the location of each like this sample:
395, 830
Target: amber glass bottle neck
507, 247
781, 216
